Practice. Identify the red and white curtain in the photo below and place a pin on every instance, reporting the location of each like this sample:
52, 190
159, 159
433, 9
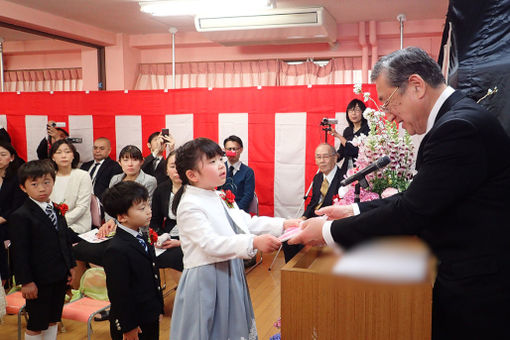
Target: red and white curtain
68, 79
248, 74
278, 125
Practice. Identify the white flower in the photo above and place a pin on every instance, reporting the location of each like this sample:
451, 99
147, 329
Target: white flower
357, 88
366, 96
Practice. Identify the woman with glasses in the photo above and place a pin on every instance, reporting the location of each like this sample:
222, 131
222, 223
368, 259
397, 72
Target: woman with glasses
357, 125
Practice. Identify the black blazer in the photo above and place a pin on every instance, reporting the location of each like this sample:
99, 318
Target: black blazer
160, 172
458, 203
41, 253
349, 151
160, 221
316, 192
108, 169
132, 279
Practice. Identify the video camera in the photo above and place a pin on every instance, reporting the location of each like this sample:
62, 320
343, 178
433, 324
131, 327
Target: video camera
327, 122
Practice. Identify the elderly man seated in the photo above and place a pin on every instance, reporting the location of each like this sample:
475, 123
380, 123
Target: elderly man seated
325, 185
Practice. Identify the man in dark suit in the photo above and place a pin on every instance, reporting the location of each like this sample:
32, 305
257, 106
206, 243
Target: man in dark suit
102, 168
457, 203
132, 275
240, 177
325, 185
155, 164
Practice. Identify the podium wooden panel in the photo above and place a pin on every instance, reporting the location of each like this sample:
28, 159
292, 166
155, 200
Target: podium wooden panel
318, 305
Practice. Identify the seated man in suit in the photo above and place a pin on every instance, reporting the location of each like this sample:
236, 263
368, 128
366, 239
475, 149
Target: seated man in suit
240, 177
102, 168
325, 185
155, 164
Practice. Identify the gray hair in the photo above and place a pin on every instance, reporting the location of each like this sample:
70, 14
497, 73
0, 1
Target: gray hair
401, 64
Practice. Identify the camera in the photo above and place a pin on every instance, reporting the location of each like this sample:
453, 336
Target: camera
230, 153
165, 132
59, 124
329, 121
75, 140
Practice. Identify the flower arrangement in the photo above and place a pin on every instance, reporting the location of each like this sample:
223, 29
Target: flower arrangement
384, 138
228, 197
152, 236
61, 207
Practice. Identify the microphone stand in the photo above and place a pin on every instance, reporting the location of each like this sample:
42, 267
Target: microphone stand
363, 183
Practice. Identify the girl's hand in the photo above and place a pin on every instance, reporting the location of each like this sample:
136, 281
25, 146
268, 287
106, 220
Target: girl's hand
266, 243
169, 244
292, 222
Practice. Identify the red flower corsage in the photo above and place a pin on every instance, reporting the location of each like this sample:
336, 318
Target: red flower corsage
62, 207
229, 198
335, 199
152, 236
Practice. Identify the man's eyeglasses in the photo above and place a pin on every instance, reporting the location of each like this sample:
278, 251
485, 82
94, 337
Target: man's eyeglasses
384, 107
327, 156
231, 149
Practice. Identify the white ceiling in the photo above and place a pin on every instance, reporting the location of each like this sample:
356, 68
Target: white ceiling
124, 16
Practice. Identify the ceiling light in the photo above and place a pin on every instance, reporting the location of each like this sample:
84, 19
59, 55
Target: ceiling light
193, 7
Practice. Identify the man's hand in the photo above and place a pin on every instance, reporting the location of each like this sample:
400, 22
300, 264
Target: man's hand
169, 142
311, 234
266, 243
29, 291
132, 334
71, 276
336, 212
107, 228
293, 222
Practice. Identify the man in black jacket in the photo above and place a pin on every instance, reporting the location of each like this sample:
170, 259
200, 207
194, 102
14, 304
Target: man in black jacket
457, 203
102, 168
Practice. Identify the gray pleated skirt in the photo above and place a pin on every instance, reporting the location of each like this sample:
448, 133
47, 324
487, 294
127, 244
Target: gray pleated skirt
213, 303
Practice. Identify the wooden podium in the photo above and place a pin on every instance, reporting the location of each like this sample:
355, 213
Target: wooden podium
316, 304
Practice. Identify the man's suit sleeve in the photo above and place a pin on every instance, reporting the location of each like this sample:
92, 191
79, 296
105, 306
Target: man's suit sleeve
453, 164
249, 189
42, 149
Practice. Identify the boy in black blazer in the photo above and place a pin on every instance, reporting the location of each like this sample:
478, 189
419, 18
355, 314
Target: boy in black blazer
132, 276
42, 250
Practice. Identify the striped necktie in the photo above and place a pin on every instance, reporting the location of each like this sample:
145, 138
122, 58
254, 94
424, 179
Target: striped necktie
142, 242
51, 214
324, 191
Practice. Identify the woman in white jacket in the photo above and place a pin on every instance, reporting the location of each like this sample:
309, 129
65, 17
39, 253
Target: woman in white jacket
73, 186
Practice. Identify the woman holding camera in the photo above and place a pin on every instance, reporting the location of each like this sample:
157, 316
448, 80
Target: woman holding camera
357, 125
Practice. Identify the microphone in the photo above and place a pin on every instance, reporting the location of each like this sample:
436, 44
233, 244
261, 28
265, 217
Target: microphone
360, 175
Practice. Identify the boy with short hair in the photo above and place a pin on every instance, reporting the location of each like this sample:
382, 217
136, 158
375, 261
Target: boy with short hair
132, 277
42, 250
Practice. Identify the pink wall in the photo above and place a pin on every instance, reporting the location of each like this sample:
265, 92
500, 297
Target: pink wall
125, 52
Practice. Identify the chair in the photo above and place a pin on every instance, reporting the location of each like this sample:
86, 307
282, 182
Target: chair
16, 305
253, 209
93, 299
95, 211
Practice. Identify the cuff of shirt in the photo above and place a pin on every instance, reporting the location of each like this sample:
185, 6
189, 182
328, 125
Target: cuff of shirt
326, 234
251, 251
355, 209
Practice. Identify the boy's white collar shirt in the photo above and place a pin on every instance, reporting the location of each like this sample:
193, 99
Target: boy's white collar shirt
42, 205
128, 230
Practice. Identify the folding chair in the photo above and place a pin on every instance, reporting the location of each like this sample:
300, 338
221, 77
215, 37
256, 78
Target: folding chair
254, 209
95, 211
94, 299
16, 305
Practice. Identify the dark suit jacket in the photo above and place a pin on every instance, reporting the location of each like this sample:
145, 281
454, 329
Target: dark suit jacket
41, 253
242, 185
159, 173
11, 198
132, 279
316, 192
458, 203
108, 169
349, 151
160, 221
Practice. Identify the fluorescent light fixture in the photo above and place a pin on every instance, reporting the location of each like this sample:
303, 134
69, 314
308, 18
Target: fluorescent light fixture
193, 7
